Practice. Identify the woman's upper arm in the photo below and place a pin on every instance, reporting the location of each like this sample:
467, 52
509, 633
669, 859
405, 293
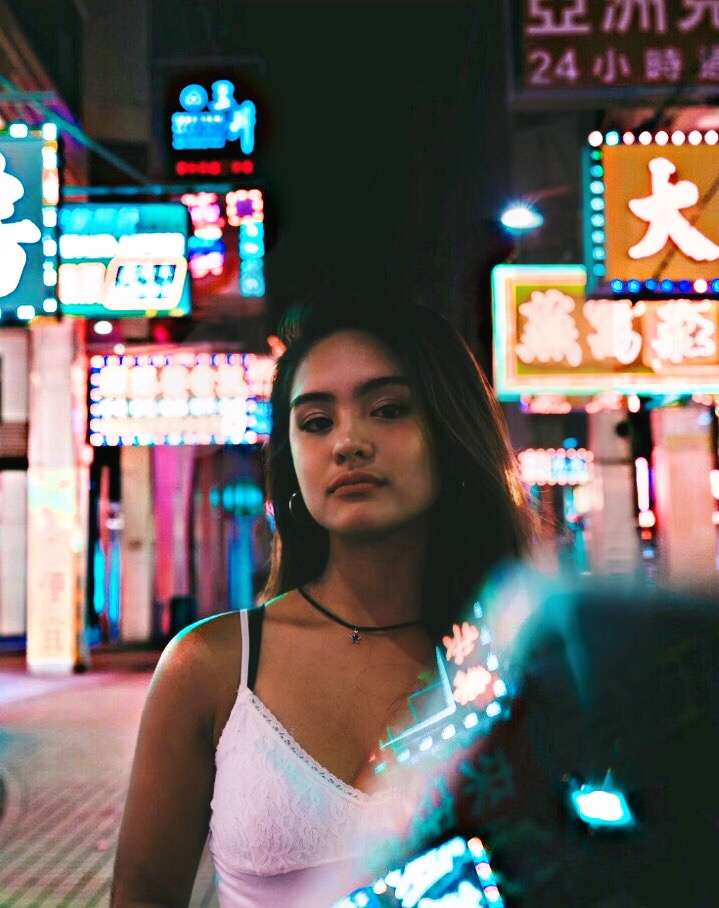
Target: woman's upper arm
167, 811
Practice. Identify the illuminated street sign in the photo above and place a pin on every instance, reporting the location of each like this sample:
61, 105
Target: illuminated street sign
124, 260
652, 213
555, 466
209, 123
180, 397
550, 339
227, 242
29, 191
589, 48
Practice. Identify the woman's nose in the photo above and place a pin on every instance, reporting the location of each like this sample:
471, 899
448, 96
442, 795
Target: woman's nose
350, 446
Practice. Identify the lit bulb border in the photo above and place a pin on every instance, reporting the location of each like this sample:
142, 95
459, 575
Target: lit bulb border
257, 395
595, 217
48, 132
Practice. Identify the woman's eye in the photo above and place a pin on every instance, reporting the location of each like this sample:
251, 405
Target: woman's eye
315, 424
390, 411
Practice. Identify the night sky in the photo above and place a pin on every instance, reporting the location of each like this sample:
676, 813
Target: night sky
374, 113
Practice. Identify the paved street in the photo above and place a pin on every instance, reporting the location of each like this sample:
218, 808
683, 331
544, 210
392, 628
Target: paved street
65, 752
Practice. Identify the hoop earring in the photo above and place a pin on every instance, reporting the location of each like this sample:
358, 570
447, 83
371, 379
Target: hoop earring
293, 505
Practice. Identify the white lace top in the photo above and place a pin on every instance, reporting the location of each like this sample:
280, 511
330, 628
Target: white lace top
282, 826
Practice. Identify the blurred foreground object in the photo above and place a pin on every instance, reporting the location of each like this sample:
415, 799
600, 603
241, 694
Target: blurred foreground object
595, 786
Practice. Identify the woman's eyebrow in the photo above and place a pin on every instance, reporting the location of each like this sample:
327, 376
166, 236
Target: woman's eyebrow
371, 385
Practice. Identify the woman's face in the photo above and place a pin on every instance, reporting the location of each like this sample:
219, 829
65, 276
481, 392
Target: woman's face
353, 417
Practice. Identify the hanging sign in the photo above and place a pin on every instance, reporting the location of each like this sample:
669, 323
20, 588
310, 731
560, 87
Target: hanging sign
652, 212
550, 339
124, 260
180, 397
595, 48
29, 191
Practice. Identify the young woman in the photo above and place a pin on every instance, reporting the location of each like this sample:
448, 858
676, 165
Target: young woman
394, 492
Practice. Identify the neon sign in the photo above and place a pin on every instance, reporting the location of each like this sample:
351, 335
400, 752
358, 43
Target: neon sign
550, 339
457, 873
651, 215
29, 194
212, 217
180, 397
556, 466
124, 260
206, 123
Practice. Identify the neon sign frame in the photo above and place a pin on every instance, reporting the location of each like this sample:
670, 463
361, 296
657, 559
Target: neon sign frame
595, 217
50, 196
103, 244
158, 418
563, 379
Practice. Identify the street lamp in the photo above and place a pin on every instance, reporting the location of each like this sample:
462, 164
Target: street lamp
520, 218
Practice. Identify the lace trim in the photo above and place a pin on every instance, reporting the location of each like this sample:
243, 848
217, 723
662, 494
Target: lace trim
349, 790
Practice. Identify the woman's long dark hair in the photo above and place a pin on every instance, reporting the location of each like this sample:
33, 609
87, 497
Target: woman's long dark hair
480, 518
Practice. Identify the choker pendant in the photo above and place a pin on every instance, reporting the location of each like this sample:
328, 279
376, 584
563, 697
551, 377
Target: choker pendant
356, 636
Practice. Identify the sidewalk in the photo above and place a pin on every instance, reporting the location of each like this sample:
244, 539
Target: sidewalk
66, 746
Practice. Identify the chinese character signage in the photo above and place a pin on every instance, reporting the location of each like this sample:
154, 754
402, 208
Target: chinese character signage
212, 118
592, 46
227, 245
556, 466
29, 191
180, 397
550, 339
652, 212
124, 260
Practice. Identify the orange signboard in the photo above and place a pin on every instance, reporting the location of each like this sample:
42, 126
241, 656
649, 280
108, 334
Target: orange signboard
653, 212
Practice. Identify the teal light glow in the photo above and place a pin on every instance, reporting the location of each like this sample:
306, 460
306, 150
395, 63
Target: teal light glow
98, 593
602, 806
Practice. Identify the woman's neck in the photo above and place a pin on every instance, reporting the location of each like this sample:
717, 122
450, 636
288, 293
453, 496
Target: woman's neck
377, 581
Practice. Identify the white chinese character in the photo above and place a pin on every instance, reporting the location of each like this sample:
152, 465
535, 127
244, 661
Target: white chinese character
663, 64
697, 10
13, 257
470, 685
709, 60
683, 332
614, 337
619, 15
661, 210
550, 334
611, 66
461, 643
568, 22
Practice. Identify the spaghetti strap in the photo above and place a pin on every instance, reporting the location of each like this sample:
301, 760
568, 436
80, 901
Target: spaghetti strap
254, 623
245, 636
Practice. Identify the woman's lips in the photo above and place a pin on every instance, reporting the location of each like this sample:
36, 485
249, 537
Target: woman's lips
355, 488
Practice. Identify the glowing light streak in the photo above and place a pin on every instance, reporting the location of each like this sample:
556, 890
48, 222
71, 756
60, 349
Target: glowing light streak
641, 469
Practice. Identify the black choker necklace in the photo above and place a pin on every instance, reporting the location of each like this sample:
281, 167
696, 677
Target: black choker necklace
357, 629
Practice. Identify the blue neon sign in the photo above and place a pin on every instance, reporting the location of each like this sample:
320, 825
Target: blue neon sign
205, 123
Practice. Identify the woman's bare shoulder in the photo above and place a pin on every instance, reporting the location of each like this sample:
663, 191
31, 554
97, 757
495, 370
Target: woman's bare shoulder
206, 653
